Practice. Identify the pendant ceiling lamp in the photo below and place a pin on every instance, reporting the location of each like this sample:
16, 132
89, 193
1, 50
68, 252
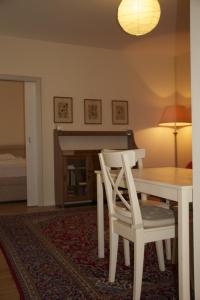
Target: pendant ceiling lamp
138, 17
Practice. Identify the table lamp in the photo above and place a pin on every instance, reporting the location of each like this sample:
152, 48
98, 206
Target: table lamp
175, 116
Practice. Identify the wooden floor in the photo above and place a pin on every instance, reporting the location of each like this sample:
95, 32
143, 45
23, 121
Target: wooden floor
8, 289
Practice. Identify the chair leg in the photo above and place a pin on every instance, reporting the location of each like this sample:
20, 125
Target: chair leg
175, 251
168, 249
160, 255
114, 238
126, 252
138, 266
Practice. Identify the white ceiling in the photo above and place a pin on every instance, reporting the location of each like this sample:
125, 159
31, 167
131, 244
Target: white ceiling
83, 22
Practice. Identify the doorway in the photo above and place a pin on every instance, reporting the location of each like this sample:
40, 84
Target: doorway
33, 137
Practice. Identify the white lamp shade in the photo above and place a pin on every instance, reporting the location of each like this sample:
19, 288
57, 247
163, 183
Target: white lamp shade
138, 17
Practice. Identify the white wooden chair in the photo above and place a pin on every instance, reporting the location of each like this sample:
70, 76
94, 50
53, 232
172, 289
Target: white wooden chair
139, 156
135, 223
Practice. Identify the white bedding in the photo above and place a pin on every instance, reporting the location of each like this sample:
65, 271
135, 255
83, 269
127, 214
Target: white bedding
14, 167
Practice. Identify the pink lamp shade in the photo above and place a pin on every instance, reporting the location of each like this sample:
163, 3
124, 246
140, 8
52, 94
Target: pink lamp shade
175, 116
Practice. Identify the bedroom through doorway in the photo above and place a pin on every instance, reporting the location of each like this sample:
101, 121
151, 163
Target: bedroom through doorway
12, 142
20, 137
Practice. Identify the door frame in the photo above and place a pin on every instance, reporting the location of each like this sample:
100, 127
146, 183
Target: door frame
33, 136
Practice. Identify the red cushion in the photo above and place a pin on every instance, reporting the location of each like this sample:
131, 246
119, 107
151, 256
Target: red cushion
189, 165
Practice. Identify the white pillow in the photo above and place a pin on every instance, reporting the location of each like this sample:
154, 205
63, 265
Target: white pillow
6, 156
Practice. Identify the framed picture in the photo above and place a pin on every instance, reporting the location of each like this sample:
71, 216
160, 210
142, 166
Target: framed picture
119, 112
63, 110
92, 111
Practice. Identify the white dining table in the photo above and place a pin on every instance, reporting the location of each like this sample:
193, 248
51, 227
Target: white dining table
173, 184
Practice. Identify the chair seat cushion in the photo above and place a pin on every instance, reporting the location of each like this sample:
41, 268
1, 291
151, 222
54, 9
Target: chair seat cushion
152, 216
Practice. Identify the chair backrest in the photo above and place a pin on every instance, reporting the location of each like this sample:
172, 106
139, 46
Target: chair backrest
116, 168
139, 155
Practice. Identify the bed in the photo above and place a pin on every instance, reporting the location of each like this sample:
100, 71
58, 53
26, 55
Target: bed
12, 173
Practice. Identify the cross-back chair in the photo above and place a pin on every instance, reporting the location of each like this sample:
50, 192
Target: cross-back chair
139, 156
135, 223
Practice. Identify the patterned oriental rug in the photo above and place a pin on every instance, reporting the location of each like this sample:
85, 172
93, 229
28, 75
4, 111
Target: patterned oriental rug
53, 256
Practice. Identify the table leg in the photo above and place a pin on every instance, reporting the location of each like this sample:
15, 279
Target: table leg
100, 216
183, 245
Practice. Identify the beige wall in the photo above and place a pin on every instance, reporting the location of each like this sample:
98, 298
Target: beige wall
67, 70
161, 78
153, 64
183, 94
143, 75
11, 113
195, 72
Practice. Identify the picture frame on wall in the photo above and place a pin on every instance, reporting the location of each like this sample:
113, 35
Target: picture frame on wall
92, 111
120, 112
63, 109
